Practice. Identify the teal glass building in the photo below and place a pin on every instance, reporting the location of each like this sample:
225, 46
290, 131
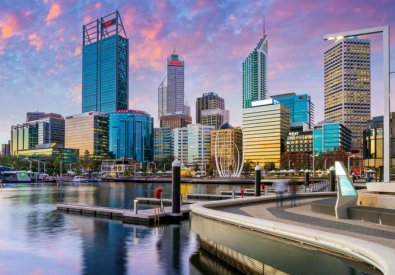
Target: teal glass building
163, 143
301, 109
131, 135
331, 135
105, 65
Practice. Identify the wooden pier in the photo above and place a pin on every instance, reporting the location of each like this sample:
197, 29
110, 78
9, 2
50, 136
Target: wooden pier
143, 217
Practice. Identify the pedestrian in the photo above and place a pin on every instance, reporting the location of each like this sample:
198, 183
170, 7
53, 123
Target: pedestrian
292, 188
279, 186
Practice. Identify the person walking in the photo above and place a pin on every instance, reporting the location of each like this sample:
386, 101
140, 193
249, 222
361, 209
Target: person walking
293, 188
279, 186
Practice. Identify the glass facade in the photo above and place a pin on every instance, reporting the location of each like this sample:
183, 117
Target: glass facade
329, 135
163, 143
105, 66
43, 154
255, 74
23, 136
301, 109
214, 117
265, 129
171, 97
175, 120
199, 144
131, 135
88, 132
181, 144
347, 85
51, 129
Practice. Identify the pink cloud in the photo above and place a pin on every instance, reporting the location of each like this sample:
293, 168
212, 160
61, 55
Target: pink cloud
54, 12
35, 41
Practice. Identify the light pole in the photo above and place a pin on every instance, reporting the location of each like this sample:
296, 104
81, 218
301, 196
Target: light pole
30, 168
60, 167
325, 166
348, 164
289, 164
387, 94
164, 167
263, 166
313, 164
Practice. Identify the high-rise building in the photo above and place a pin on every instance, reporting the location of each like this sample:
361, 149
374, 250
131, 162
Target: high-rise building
301, 109
199, 144
5, 148
175, 120
30, 116
229, 147
299, 148
265, 127
214, 117
88, 132
51, 129
171, 96
163, 143
208, 101
131, 135
23, 136
347, 85
181, 144
329, 135
105, 65
255, 74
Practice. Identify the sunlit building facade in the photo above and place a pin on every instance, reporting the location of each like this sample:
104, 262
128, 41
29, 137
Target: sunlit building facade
43, 154
255, 74
175, 120
88, 132
266, 127
131, 135
23, 136
301, 109
347, 85
105, 65
199, 144
329, 135
163, 143
214, 117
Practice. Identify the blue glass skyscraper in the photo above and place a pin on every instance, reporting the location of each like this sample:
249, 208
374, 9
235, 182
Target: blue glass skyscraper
301, 109
105, 65
131, 135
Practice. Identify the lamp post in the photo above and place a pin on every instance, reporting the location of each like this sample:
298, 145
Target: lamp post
263, 166
313, 164
325, 166
348, 164
386, 62
30, 168
289, 164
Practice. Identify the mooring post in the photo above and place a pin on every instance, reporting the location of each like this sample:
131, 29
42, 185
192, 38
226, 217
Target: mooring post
257, 181
307, 180
233, 193
332, 178
175, 216
136, 205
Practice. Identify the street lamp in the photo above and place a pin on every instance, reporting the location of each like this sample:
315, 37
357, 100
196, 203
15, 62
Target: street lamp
325, 166
313, 164
348, 164
30, 168
387, 94
289, 164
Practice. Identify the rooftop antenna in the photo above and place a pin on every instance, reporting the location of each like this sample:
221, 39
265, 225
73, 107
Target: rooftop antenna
174, 48
264, 31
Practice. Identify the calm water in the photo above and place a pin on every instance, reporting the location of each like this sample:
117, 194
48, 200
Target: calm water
36, 239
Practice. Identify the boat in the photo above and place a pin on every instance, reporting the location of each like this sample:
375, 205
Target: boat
15, 176
79, 179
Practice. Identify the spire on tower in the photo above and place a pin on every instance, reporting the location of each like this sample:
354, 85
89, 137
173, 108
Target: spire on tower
174, 48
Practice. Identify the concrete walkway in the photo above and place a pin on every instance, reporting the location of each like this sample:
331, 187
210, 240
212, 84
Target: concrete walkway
301, 215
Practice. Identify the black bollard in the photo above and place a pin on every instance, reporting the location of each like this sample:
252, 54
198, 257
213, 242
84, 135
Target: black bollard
175, 215
257, 181
307, 179
332, 178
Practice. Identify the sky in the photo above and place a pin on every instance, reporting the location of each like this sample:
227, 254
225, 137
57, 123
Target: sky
40, 49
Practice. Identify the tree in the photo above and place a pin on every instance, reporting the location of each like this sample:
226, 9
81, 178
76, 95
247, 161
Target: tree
127, 173
196, 167
24, 168
166, 162
248, 167
271, 166
78, 170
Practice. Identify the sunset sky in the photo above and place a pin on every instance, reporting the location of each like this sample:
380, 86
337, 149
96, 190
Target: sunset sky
40, 49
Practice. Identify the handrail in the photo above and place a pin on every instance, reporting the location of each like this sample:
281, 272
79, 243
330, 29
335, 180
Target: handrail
377, 255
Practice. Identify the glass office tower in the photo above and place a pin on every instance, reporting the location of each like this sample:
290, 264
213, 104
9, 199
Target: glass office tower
199, 144
23, 136
301, 109
88, 132
51, 129
105, 65
329, 135
163, 143
265, 127
255, 74
131, 135
208, 101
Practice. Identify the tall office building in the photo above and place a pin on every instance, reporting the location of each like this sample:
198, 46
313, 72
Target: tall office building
301, 109
163, 143
30, 116
181, 144
5, 148
208, 101
105, 65
23, 136
51, 129
255, 74
171, 96
347, 85
131, 135
88, 132
215, 117
265, 127
329, 135
199, 144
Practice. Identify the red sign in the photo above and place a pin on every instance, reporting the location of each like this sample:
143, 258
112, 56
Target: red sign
138, 112
91, 113
175, 63
109, 23
122, 111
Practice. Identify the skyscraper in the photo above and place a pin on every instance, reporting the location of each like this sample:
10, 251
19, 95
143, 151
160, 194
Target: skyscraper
171, 97
163, 143
255, 74
208, 101
347, 85
30, 116
105, 65
175, 120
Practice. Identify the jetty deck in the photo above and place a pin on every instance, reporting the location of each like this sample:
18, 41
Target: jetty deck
143, 217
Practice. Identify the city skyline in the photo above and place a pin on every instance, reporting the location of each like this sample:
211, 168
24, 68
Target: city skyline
40, 50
